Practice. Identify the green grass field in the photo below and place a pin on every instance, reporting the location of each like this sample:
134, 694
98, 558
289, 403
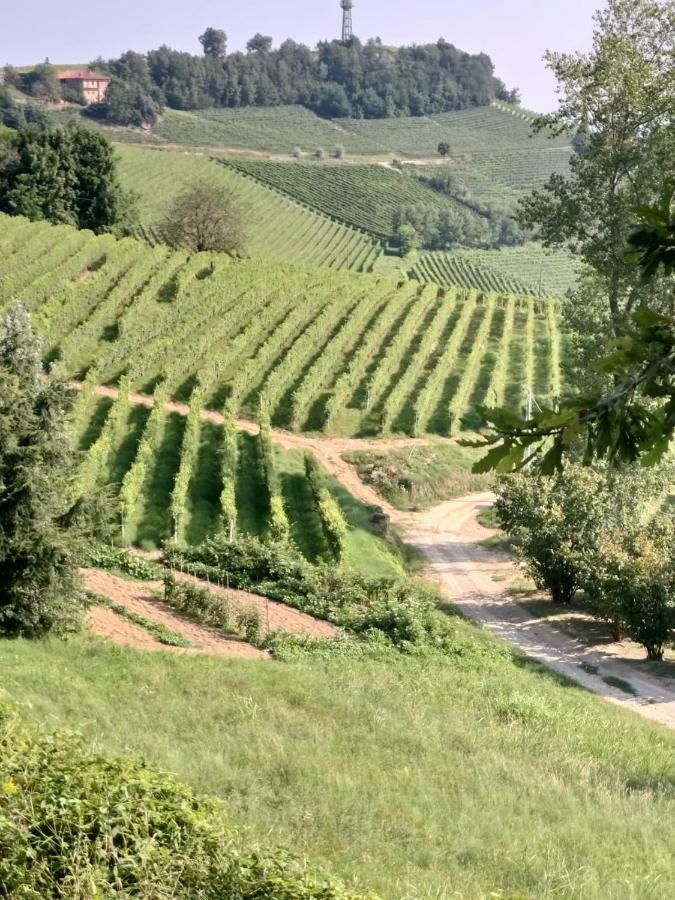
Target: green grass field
277, 228
323, 351
471, 776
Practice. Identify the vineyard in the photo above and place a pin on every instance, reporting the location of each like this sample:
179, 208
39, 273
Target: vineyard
298, 346
186, 477
530, 269
498, 127
277, 227
339, 352
362, 196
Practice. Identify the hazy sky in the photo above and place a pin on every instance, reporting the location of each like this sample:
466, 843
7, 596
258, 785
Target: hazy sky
515, 33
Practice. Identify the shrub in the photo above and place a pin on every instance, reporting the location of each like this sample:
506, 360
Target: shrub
320, 153
339, 151
297, 152
403, 612
556, 521
78, 824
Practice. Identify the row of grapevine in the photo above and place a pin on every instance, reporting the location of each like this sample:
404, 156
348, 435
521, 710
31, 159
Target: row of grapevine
346, 383
278, 524
428, 343
445, 363
188, 455
396, 348
228, 473
339, 347
136, 476
333, 521
90, 473
496, 391
460, 398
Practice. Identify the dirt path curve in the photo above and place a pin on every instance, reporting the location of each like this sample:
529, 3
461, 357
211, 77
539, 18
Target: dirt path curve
466, 572
448, 537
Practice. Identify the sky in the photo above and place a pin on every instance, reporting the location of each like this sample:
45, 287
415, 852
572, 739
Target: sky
515, 33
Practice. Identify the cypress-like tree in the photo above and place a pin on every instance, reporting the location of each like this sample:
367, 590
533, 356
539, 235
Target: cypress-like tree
39, 588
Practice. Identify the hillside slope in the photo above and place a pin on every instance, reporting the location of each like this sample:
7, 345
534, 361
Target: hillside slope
277, 227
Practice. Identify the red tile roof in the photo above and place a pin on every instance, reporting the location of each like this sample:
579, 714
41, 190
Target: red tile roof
81, 75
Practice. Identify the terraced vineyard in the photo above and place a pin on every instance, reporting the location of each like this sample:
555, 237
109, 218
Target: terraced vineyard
277, 227
530, 269
362, 196
340, 352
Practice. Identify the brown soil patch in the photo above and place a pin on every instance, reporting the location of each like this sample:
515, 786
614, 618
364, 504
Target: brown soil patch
137, 597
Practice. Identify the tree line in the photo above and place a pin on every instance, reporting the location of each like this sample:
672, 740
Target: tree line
338, 79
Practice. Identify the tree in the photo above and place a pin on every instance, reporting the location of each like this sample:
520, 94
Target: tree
214, 43
63, 175
126, 103
443, 149
259, 43
39, 589
408, 239
42, 83
204, 216
555, 521
620, 98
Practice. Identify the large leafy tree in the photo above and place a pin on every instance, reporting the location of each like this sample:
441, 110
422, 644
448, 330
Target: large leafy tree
64, 175
619, 100
39, 590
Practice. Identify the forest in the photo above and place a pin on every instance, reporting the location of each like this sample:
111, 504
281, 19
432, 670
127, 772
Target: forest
338, 79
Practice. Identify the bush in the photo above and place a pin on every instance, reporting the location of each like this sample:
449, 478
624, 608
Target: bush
78, 824
556, 522
339, 151
631, 582
320, 153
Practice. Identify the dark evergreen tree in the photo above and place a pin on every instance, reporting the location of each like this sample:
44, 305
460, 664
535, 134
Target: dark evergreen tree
39, 589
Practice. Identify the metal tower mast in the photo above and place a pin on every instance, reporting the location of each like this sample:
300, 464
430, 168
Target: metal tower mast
346, 19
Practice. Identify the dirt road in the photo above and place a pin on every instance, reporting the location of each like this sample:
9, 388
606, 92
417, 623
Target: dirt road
475, 579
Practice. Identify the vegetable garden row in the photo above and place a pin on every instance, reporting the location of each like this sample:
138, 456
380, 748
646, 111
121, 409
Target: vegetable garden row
337, 352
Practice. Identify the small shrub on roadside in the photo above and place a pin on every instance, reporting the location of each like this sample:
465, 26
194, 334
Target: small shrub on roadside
339, 151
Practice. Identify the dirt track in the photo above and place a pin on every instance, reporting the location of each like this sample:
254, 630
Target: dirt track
447, 535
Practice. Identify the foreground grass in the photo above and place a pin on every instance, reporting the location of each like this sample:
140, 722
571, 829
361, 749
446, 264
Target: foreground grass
468, 776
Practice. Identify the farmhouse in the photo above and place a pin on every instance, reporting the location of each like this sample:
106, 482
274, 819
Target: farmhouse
91, 85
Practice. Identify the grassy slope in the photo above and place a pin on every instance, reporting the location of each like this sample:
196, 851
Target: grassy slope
419, 477
422, 779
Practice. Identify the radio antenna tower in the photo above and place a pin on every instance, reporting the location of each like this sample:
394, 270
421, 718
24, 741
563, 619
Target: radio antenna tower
346, 19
